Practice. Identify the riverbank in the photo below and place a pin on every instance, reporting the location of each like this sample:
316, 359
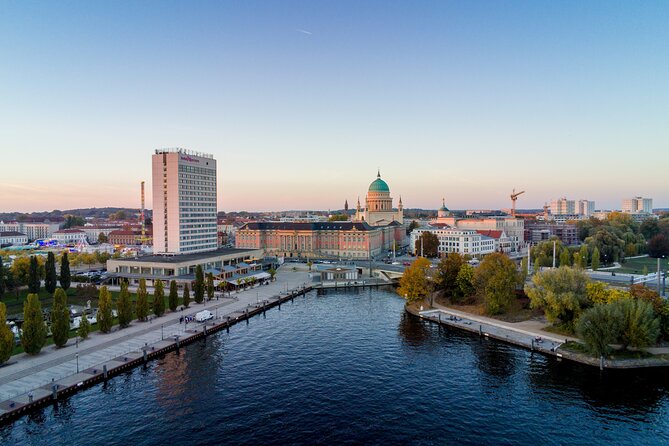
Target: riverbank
530, 338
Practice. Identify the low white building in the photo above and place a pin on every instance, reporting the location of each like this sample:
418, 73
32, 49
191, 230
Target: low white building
93, 231
70, 236
462, 241
12, 238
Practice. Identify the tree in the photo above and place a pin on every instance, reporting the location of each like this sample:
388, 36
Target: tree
105, 316
124, 306
60, 318
158, 298
427, 245
50, 277
102, 238
658, 246
173, 299
561, 293
142, 307
186, 296
495, 280
413, 225
599, 327
338, 217
415, 282
542, 253
34, 329
210, 286
650, 228
465, 280
272, 274
34, 281
641, 327
20, 269
565, 257
594, 261
447, 274
65, 278
6, 336
3, 282
72, 220
84, 326
199, 284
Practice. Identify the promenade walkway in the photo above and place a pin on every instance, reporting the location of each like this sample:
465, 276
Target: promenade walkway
32, 374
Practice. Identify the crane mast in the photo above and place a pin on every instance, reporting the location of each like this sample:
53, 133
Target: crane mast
514, 197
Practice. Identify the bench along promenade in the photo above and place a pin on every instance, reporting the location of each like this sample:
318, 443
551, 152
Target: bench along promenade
28, 382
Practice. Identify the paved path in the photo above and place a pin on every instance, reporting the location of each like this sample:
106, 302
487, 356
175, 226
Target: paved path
29, 373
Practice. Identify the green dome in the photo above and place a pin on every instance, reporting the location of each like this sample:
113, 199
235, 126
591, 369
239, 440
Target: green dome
379, 185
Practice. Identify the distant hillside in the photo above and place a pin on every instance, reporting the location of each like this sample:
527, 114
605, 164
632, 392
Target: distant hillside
58, 215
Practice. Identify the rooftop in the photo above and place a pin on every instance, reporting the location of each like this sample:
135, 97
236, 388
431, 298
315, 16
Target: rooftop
179, 258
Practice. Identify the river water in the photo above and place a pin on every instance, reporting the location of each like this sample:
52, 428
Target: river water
350, 367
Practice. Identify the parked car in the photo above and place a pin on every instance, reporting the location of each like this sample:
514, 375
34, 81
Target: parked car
204, 315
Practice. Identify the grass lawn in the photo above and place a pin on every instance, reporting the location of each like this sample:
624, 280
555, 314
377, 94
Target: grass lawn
635, 266
14, 302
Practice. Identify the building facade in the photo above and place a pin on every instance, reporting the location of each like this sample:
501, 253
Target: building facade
462, 241
562, 206
70, 236
12, 238
330, 240
585, 208
379, 209
536, 232
638, 205
184, 202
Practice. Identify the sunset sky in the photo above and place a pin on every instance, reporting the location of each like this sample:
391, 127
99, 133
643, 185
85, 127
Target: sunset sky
301, 102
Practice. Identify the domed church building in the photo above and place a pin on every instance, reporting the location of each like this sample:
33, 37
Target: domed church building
379, 209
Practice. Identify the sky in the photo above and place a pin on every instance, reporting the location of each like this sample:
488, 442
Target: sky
302, 102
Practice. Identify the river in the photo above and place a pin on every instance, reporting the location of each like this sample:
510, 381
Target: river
350, 367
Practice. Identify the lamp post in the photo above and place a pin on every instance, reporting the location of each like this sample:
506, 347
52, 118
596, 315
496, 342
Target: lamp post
77, 356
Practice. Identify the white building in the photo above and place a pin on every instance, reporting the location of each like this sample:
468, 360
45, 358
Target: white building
638, 205
585, 208
462, 241
11, 226
184, 202
12, 238
70, 236
34, 231
93, 231
562, 206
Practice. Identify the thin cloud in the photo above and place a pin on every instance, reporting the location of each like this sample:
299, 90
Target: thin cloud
304, 31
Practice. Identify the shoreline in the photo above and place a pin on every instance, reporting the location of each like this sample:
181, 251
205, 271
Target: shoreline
548, 345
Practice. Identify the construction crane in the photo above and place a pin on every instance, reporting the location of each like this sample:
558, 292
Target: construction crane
514, 197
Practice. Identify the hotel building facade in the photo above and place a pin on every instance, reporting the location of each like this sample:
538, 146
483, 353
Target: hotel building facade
184, 202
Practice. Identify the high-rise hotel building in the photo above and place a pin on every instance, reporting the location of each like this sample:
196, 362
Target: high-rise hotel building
184, 202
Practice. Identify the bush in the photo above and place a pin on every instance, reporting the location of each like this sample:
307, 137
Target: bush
599, 327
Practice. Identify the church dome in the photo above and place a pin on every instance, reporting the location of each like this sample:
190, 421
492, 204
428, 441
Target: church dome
379, 185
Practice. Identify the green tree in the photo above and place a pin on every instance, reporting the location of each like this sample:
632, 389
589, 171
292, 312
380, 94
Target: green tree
447, 274
338, 217
6, 336
142, 307
465, 280
124, 306
272, 273
84, 326
413, 225
495, 280
523, 273
186, 296
34, 329
578, 260
561, 293
159, 298
105, 315
415, 282
565, 257
50, 277
65, 278
3, 281
599, 327
174, 296
199, 284
102, 238
72, 221
594, 261
60, 318
34, 281
641, 327
427, 245
210, 286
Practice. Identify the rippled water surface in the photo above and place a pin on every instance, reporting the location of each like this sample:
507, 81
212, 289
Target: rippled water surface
349, 367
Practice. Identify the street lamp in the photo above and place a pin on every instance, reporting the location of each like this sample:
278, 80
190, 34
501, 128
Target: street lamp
77, 356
